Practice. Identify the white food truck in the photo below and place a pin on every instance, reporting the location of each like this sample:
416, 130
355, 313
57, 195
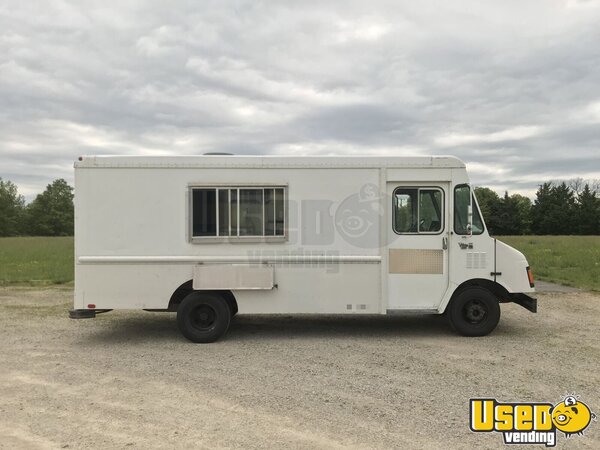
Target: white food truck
212, 236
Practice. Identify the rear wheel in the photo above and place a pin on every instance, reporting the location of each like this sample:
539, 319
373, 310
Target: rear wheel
203, 317
474, 312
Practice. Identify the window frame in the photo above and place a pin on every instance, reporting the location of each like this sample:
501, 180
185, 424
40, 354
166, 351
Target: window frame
423, 233
237, 238
473, 203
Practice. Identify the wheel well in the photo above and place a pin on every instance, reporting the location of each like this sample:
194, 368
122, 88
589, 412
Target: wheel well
186, 288
496, 289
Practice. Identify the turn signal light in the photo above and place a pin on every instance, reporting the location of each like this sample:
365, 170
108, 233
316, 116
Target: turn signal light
530, 277
91, 306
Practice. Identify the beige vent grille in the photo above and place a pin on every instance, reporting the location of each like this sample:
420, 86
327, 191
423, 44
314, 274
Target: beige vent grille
416, 261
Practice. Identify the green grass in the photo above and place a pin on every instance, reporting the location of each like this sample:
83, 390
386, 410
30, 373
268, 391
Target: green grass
569, 260
36, 260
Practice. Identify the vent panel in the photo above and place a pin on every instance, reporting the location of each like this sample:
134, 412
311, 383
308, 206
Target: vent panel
476, 260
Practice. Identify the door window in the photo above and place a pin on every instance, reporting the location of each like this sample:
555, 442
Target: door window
418, 210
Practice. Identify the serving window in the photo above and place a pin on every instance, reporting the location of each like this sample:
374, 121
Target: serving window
238, 212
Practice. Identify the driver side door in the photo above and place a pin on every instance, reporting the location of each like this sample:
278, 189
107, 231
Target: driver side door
418, 249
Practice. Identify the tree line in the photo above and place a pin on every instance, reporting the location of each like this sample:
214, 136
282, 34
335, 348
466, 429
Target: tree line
560, 208
567, 207
49, 214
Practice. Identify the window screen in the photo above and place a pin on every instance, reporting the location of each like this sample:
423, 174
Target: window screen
251, 212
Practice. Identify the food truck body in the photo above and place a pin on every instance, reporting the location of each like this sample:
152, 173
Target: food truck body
212, 236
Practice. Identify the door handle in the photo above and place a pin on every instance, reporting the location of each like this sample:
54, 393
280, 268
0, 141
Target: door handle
445, 243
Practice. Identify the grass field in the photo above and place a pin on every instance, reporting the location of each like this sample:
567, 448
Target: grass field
569, 260
36, 260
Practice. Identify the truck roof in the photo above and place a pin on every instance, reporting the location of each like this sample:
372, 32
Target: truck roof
268, 161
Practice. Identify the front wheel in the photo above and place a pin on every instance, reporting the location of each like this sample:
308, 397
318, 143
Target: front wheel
203, 317
474, 312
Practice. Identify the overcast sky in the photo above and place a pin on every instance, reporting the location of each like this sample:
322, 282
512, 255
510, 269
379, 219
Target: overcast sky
511, 87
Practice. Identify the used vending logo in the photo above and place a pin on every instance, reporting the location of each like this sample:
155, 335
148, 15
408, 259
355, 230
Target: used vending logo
530, 423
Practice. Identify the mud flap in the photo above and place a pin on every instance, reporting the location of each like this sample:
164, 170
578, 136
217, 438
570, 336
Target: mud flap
525, 301
86, 313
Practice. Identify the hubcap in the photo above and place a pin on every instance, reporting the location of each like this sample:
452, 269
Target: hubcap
474, 311
203, 317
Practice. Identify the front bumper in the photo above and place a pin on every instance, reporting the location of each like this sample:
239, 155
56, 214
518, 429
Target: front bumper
525, 301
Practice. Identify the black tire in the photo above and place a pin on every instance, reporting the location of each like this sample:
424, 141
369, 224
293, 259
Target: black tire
474, 311
233, 308
203, 318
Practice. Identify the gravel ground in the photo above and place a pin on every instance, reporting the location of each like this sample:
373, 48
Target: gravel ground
129, 380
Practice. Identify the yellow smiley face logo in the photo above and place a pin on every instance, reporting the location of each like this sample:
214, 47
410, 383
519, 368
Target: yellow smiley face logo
571, 416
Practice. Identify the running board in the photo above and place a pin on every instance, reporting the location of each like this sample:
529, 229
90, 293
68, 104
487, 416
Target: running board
399, 312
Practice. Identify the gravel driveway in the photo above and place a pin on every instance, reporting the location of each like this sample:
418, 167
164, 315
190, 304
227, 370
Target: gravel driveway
129, 380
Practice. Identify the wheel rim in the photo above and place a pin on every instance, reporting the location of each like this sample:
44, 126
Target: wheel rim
203, 317
475, 312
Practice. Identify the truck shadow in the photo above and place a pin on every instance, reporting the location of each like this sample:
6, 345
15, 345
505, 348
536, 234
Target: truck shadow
335, 327
145, 327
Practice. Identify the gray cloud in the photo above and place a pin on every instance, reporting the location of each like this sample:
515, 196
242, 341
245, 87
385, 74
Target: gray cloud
511, 88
